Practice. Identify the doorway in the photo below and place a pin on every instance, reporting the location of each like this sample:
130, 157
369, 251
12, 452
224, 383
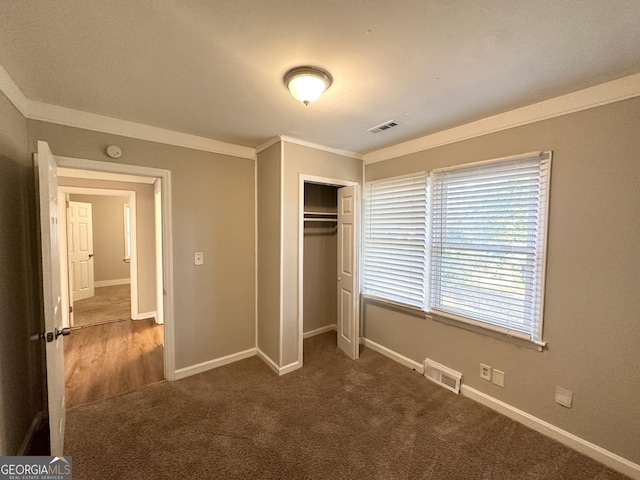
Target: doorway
99, 253
117, 337
328, 262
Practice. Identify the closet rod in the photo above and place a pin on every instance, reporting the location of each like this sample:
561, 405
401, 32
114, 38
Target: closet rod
334, 220
322, 214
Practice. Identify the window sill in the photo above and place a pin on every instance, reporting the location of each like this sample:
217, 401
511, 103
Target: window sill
488, 331
475, 327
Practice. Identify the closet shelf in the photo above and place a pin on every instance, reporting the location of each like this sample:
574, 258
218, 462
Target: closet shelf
320, 215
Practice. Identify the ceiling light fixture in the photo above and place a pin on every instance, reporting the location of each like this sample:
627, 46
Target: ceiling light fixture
306, 84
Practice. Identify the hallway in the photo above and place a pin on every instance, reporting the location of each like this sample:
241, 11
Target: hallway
104, 360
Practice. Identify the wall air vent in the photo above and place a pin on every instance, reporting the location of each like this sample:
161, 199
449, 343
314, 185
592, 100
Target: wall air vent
443, 376
383, 126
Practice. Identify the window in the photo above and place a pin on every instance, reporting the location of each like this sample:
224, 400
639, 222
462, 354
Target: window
487, 243
395, 240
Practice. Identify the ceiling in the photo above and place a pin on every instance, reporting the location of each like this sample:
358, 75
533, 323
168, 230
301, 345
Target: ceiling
214, 68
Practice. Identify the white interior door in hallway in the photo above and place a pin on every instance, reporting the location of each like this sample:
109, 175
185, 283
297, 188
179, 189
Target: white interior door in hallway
80, 250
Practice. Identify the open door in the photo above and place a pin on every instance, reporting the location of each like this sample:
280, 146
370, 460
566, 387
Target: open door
348, 303
80, 250
46, 184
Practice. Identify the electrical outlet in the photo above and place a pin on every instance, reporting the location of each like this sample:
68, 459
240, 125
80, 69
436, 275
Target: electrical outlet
564, 397
485, 372
198, 258
498, 377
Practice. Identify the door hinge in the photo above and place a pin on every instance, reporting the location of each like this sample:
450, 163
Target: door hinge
71, 309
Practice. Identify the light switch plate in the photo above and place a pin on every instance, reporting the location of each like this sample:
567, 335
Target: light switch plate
198, 258
498, 377
564, 397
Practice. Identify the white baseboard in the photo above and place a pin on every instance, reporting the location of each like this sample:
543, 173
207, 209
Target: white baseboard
319, 331
145, 315
407, 362
28, 438
215, 363
274, 366
112, 283
589, 449
289, 368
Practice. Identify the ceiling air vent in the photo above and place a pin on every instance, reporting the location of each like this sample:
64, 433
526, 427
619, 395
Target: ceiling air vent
383, 126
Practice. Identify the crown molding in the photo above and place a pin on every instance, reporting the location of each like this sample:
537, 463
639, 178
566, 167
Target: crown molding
100, 123
13, 92
267, 144
304, 143
45, 112
603, 94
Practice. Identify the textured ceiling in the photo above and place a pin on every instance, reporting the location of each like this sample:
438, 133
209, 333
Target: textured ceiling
214, 68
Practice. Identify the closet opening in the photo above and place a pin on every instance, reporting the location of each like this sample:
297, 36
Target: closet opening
329, 284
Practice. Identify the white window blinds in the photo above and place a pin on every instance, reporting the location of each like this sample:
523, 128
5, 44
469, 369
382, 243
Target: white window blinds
488, 242
395, 239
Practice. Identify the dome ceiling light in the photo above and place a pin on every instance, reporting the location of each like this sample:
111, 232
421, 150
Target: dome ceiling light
306, 84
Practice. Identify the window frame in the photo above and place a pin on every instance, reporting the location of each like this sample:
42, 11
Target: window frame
535, 334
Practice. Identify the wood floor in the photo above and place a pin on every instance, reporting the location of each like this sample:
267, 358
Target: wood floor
108, 304
112, 358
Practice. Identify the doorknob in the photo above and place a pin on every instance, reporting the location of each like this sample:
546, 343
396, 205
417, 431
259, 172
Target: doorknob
90, 255
51, 336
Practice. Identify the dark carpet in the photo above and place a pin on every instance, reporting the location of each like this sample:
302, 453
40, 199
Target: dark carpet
332, 419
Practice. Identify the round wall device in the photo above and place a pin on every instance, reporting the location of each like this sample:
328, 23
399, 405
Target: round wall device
114, 151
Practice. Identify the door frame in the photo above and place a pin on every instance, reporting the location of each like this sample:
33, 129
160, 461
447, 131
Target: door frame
63, 192
333, 182
163, 178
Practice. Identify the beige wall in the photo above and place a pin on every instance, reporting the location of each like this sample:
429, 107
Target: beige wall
299, 160
108, 235
213, 206
320, 269
145, 219
269, 235
21, 395
591, 316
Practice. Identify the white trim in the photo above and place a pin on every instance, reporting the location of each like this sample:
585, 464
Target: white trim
289, 368
99, 123
589, 449
133, 258
269, 143
215, 363
303, 178
157, 233
316, 146
255, 248
270, 363
387, 352
28, 438
13, 92
112, 283
320, 331
603, 94
167, 237
145, 315
585, 447
273, 366
281, 271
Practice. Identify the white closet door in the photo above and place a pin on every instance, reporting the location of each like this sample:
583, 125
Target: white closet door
348, 319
